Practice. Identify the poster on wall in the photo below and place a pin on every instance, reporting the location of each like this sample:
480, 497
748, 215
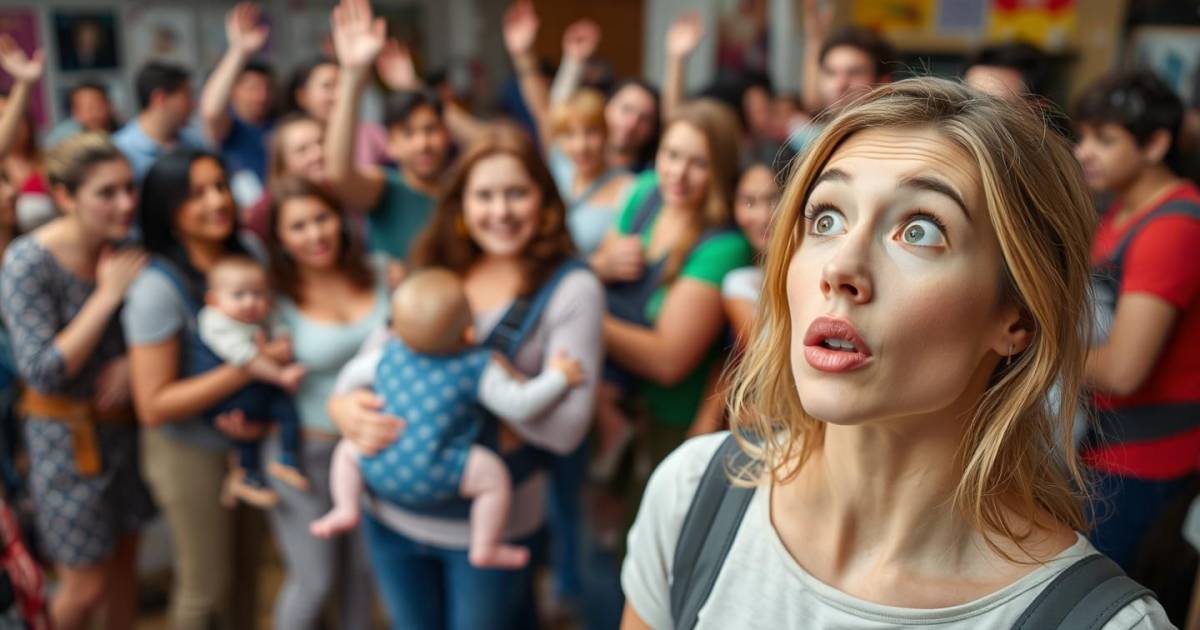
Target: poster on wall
86, 39
1173, 53
22, 26
895, 16
1048, 24
166, 34
742, 36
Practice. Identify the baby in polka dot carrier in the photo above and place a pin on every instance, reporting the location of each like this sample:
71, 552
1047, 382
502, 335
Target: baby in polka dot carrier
430, 373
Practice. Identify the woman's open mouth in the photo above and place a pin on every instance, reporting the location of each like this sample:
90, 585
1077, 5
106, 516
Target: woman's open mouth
834, 345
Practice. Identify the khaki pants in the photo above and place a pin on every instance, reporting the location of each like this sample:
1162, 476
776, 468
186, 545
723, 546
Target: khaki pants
186, 483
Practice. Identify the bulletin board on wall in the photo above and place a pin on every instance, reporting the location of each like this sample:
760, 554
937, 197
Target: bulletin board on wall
959, 25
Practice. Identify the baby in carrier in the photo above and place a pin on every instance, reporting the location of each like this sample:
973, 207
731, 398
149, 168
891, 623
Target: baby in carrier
231, 324
429, 373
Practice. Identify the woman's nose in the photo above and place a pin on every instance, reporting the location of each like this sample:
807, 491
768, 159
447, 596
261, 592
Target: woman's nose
846, 275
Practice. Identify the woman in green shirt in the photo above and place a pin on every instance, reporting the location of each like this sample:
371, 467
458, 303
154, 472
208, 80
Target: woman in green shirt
673, 244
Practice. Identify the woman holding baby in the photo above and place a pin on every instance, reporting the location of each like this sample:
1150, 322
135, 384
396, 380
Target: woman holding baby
500, 227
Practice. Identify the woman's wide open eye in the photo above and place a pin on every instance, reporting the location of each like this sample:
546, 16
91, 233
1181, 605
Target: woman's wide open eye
923, 232
827, 222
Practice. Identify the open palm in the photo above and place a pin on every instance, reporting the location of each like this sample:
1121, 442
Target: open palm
685, 34
520, 27
358, 36
395, 67
244, 30
581, 39
17, 64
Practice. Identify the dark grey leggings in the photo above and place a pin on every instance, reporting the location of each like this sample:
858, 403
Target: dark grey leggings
316, 567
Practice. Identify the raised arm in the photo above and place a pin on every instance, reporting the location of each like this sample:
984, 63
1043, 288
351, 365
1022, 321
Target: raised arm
246, 34
358, 37
1141, 327
580, 41
520, 32
817, 22
25, 71
396, 69
683, 36
689, 323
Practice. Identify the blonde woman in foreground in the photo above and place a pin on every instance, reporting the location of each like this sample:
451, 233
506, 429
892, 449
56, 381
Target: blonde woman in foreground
925, 287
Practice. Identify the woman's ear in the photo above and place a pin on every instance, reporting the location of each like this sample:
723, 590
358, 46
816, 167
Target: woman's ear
62, 199
1017, 333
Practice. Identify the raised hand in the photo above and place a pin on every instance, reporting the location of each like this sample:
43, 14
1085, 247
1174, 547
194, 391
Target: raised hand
244, 29
21, 67
395, 67
581, 39
358, 35
684, 35
818, 19
520, 27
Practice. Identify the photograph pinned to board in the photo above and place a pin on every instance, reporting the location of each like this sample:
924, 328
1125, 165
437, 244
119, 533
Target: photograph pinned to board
1173, 53
166, 34
86, 39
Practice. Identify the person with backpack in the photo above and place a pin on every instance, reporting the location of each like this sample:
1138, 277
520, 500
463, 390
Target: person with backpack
500, 226
894, 459
1144, 369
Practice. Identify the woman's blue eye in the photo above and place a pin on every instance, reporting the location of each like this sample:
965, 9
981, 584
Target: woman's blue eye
828, 222
923, 233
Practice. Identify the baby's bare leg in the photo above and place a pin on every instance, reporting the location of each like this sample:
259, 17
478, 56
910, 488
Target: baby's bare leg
346, 487
485, 481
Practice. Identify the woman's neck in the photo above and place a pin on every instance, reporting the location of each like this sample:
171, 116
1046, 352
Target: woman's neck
586, 176
202, 254
319, 276
1146, 189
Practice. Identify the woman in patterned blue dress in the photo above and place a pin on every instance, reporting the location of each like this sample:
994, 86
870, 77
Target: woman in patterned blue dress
61, 288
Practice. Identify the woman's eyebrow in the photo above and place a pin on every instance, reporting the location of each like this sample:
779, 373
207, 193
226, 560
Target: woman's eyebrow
832, 175
934, 185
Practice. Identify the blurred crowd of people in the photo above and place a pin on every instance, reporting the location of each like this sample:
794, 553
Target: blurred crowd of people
258, 300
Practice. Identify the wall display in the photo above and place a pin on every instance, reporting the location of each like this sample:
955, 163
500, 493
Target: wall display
86, 39
165, 34
1173, 53
22, 26
742, 36
1049, 24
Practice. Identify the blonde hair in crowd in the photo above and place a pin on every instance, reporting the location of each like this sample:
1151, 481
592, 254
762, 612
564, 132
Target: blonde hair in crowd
722, 132
70, 161
585, 107
1017, 454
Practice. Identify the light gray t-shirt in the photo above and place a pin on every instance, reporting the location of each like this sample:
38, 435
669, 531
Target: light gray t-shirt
744, 283
155, 312
761, 586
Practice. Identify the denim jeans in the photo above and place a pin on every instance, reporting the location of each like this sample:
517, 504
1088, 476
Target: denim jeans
430, 588
1124, 509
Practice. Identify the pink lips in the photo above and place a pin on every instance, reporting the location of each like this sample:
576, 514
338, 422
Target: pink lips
833, 360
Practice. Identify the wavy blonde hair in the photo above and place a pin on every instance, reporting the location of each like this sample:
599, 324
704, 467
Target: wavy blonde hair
1017, 454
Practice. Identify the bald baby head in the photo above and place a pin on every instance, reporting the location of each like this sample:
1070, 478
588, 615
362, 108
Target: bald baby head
430, 312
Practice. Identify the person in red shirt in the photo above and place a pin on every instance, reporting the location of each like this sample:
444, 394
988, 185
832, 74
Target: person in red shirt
1144, 368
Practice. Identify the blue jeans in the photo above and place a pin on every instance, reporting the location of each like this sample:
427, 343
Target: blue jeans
564, 514
430, 588
1124, 509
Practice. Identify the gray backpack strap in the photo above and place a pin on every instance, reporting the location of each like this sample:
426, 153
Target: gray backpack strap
708, 531
1084, 597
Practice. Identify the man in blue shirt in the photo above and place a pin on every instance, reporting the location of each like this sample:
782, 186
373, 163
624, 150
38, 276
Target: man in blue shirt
236, 104
165, 102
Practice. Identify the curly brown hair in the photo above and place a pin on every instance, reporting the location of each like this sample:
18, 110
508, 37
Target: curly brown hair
445, 242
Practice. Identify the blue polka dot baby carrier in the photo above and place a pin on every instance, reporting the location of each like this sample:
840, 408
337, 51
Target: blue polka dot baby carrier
436, 396
506, 338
